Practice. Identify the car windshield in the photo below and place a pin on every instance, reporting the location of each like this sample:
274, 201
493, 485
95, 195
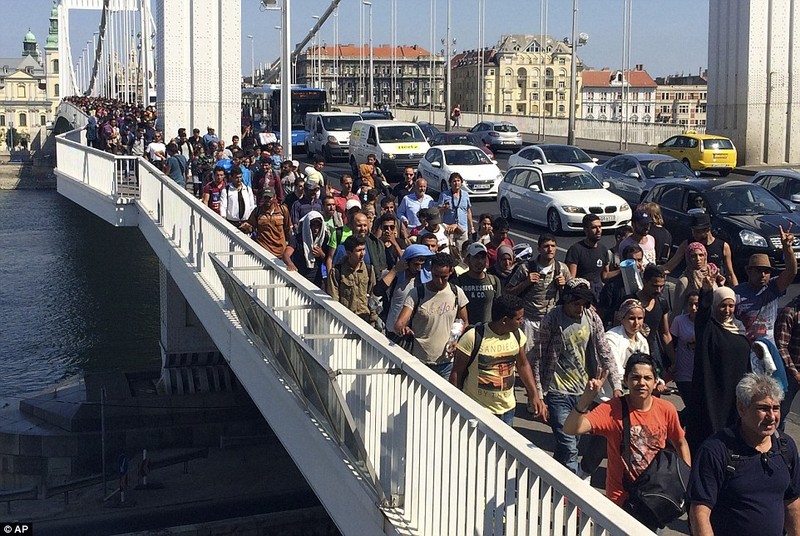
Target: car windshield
744, 199
565, 155
716, 144
461, 139
659, 168
466, 158
577, 180
340, 122
400, 133
504, 127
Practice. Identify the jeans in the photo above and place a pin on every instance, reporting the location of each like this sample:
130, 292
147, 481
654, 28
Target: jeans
559, 407
442, 369
508, 416
786, 406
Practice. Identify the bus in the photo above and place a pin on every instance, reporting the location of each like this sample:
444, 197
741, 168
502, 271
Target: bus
262, 107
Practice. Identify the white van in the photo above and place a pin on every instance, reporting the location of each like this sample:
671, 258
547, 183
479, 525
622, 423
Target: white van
328, 134
395, 144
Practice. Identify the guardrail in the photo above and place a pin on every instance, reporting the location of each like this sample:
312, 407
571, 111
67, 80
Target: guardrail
445, 464
24, 494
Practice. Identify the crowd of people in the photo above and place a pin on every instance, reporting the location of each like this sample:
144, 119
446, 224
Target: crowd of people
580, 333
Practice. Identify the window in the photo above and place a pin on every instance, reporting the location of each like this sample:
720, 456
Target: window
23, 120
671, 197
562, 60
56, 90
647, 108
590, 109
54, 66
2, 120
20, 91
42, 120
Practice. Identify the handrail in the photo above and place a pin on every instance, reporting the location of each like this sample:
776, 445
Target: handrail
447, 464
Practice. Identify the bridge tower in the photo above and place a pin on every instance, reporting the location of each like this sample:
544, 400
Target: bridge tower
753, 93
199, 86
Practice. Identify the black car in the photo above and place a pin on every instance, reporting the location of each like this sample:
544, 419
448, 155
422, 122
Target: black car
376, 114
455, 137
745, 215
428, 130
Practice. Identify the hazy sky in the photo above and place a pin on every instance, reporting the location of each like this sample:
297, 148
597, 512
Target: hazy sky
668, 37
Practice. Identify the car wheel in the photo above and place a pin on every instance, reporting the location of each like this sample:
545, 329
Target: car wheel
724, 172
326, 152
553, 221
687, 163
443, 186
505, 209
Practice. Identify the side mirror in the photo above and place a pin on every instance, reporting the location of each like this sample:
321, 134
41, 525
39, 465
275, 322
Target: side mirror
696, 173
633, 175
436, 164
792, 207
537, 161
595, 160
535, 188
606, 185
795, 198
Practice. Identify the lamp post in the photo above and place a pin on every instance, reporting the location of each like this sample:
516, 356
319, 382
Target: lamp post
577, 40
371, 59
252, 61
448, 56
316, 80
286, 93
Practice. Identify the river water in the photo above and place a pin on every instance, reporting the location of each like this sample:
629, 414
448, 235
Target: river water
76, 295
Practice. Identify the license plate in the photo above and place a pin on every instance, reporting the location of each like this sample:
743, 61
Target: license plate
482, 186
509, 142
606, 218
797, 254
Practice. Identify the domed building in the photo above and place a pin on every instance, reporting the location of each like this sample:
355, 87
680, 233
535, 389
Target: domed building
29, 88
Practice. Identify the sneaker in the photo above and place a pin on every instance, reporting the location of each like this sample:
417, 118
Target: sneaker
583, 475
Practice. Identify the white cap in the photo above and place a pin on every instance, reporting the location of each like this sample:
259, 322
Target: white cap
352, 203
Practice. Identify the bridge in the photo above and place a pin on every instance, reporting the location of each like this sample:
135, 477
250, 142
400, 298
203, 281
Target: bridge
388, 446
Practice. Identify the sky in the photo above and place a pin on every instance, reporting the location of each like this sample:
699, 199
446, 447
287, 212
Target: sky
668, 37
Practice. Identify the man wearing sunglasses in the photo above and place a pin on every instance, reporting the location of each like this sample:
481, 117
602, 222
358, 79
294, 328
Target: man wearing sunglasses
405, 186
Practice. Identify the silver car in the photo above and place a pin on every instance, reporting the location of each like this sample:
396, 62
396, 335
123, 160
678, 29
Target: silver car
784, 183
499, 135
631, 176
552, 153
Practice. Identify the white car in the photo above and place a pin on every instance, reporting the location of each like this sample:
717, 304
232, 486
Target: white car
552, 153
559, 197
481, 175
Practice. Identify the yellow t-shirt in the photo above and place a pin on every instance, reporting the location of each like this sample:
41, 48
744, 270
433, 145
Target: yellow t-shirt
490, 378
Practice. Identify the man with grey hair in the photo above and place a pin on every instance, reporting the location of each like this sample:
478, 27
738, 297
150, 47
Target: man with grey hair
746, 479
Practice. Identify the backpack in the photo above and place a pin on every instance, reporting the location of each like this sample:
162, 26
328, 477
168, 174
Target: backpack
734, 461
658, 496
480, 329
421, 294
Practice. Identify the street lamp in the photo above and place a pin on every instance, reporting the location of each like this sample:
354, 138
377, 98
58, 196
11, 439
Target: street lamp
577, 40
371, 59
448, 54
316, 80
252, 61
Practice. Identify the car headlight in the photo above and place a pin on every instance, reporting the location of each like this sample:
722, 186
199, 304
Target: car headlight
499, 177
332, 140
390, 156
570, 209
749, 238
623, 207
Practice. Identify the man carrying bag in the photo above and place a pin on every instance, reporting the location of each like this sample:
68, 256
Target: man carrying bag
642, 477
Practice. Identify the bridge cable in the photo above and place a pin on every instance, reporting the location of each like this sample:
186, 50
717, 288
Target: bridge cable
99, 52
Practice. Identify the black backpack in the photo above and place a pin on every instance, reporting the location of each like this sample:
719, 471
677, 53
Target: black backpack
734, 461
658, 496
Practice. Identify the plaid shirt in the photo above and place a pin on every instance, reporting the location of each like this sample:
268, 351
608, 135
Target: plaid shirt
548, 346
787, 336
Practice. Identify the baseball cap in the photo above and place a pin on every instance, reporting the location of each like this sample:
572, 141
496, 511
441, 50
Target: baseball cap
475, 248
351, 204
268, 191
640, 216
295, 164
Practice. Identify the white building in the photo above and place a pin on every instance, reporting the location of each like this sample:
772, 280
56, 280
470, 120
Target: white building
618, 96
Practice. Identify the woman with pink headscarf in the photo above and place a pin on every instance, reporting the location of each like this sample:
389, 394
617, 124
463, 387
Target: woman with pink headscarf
697, 269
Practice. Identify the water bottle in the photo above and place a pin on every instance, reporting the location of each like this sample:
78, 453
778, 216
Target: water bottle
631, 277
455, 332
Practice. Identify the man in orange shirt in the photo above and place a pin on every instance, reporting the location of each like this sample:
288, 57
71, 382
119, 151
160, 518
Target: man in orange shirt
271, 222
653, 422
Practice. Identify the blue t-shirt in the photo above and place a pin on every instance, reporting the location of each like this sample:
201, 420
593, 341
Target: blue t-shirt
748, 501
458, 209
247, 177
758, 309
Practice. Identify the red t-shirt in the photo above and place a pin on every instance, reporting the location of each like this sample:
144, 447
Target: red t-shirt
491, 251
649, 433
214, 192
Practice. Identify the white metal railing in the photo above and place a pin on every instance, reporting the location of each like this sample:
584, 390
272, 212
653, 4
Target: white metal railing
447, 465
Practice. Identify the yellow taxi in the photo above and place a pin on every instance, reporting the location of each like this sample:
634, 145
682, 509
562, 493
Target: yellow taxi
701, 151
